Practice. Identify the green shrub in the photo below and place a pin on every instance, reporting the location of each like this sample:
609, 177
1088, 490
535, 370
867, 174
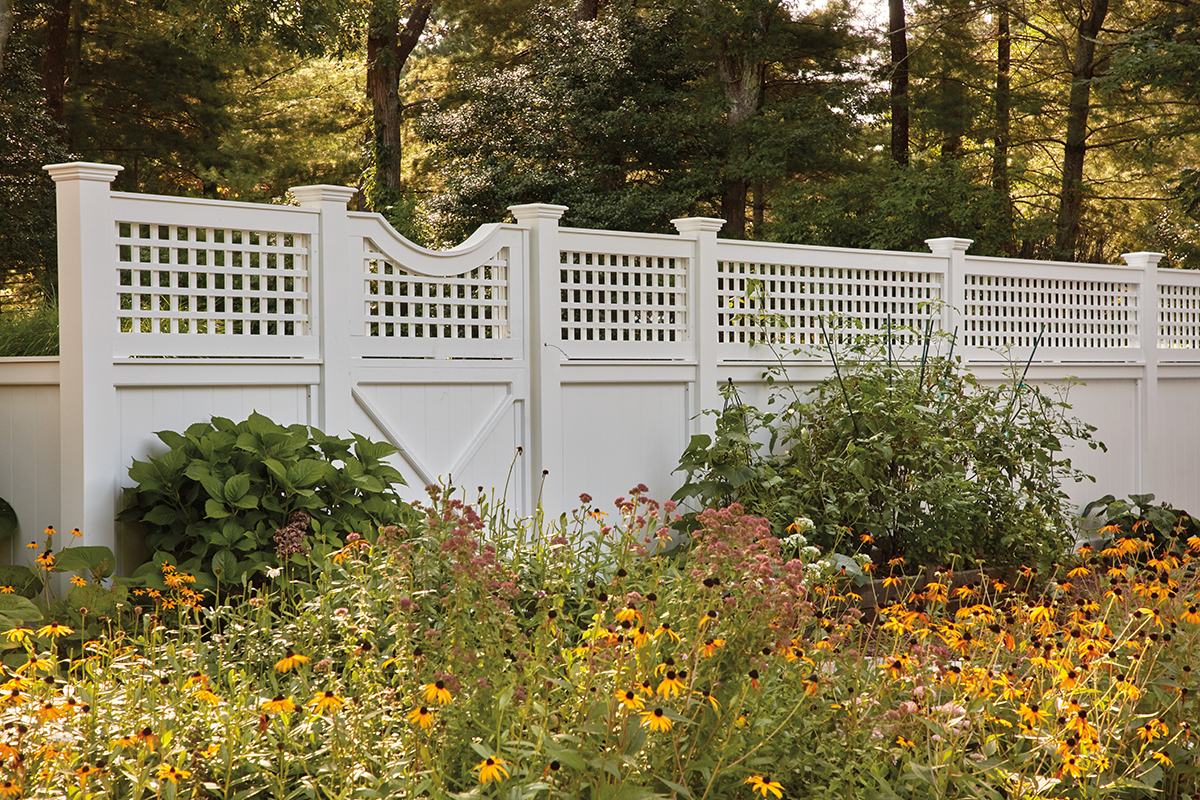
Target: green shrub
231, 500
919, 456
29, 333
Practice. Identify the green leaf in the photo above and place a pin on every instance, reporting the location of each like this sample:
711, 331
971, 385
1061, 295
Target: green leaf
306, 473
24, 581
19, 608
236, 487
214, 509
225, 567
162, 516
8, 520
95, 559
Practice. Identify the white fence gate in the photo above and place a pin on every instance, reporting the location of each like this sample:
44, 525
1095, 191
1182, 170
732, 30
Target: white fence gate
556, 360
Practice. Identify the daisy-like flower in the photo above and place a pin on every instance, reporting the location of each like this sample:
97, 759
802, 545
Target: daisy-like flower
421, 716
709, 648
87, 771
207, 695
9, 789
436, 692
656, 720
666, 628
1163, 759
45, 560
54, 630
49, 531
327, 701
812, 684
168, 772
1152, 730
78, 581
8, 590
629, 614
1191, 616
1032, 715
630, 700
765, 786
491, 769
277, 705
290, 661
18, 634
707, 695
36, 664
671, 686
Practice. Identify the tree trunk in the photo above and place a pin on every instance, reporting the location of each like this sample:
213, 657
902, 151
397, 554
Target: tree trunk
587, 10
1070, 209
388, 49
898, 41
744, 83
54, 63
6, 26
1003, 136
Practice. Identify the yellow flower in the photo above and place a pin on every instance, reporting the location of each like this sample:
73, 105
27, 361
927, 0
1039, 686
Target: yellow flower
37, 664
87, 771
18, 634
491, 769
656, 720
32, 545
78, 581
765, 785
277, 704
437, 692
666, 628
76, 532
631, 701
207, 695
327, 701
45, 560
54, 630
9, 789
421, 716
166, 772
7, 590
707, 695
290, 661
710, 647
49, 531
671, 686
1032, 716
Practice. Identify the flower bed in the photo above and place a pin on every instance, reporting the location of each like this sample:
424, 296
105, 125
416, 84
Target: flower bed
473, 655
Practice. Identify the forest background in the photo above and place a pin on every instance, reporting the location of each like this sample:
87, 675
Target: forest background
1064, 129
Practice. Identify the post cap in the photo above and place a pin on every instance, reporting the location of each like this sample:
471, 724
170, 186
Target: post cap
83, 171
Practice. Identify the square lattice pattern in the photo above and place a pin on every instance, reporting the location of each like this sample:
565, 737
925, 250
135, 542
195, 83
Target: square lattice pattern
1010, 312
608, 297
188, 280
1179, 317
784, 304
407, 305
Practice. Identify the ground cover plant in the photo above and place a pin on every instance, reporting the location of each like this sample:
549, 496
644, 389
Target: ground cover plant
471, 655
915, 453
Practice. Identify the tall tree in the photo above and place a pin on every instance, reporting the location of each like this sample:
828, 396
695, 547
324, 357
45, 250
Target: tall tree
898, 72
1075, 145
392, 34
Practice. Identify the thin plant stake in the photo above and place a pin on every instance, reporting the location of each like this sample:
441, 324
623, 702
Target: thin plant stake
838, 371
1024, 372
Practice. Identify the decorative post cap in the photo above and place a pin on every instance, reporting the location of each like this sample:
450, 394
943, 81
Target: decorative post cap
83, 171
1142, 259
687, 225
317, 194
528, 212
945, 245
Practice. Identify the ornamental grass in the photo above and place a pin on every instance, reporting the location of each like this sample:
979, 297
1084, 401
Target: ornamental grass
587, 657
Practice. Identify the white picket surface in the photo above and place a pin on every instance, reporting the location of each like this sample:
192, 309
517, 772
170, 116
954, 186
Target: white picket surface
547, 361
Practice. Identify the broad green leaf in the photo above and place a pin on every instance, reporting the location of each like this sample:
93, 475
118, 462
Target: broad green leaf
95, 559
8, 520
214, 509
19, 608
224, 566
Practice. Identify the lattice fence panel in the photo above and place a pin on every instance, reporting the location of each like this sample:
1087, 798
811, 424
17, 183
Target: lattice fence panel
1179, 317
183, 279
1011, 312
610, 297
406, 305
785, 304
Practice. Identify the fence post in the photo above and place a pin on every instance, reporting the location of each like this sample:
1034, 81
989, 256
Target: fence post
545, 357
702, 298
1148, 331
336, 279
89, 454
954, 290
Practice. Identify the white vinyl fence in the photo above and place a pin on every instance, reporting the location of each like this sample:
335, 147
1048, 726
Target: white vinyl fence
553, 361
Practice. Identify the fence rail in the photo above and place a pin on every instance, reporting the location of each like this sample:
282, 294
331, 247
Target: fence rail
550, 360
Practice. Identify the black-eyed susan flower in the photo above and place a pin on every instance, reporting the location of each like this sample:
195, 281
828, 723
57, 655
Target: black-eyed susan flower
290, 661
707, 695
54, 630
78, 581
491, 769
665, 628
765, 786
277, 705
207, 695
1163, 758
671, 685
436, 692
710, 647
630, 700
169, 772
421, 716
327, 701
9, 789
18, 634
1032, 715
656, 720
8, 590
45, 560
